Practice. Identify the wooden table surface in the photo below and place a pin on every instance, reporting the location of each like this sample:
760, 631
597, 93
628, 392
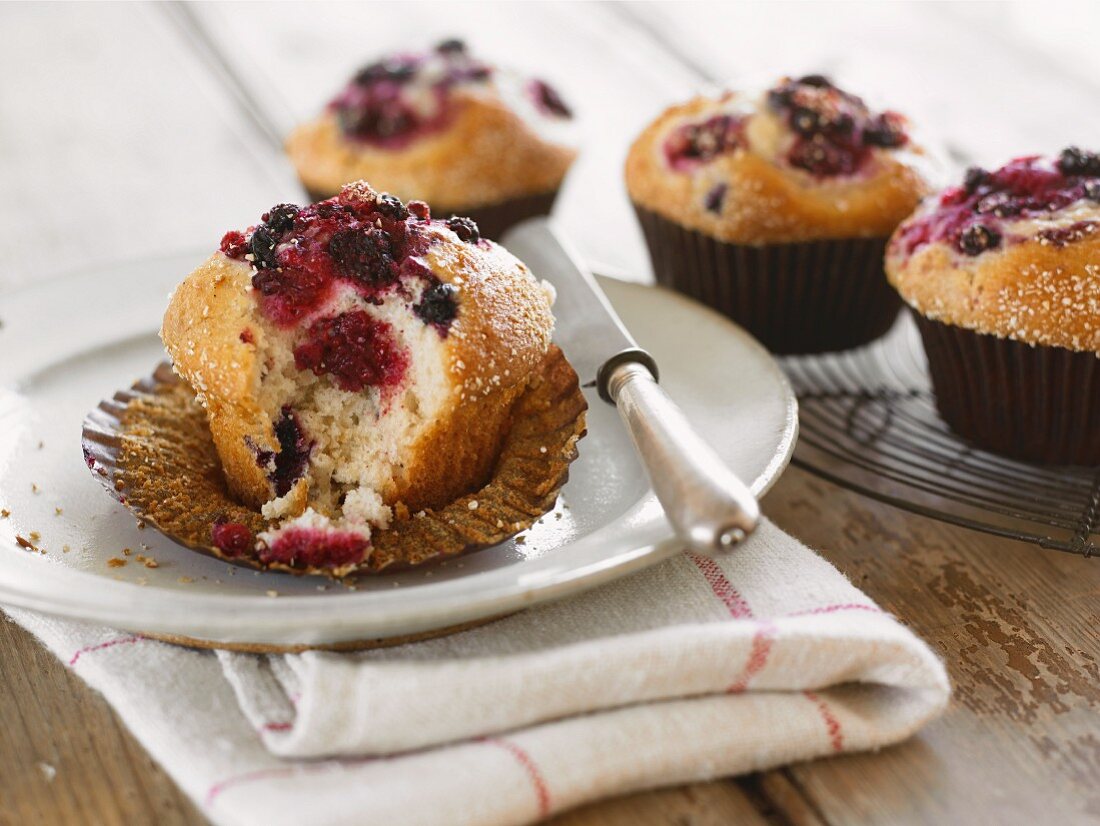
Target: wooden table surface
135, 130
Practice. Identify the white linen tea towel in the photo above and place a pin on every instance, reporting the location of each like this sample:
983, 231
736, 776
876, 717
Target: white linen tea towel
694, 668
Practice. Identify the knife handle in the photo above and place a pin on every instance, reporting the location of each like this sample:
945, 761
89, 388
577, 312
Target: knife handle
708, 506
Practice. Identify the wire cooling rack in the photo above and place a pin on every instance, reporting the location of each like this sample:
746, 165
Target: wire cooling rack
868, 422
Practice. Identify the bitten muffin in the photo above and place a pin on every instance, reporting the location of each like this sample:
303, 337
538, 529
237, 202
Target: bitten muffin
355, 357
775, 208
1003, 276
443, 127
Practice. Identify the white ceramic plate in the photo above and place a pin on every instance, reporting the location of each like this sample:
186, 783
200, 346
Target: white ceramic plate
69, 343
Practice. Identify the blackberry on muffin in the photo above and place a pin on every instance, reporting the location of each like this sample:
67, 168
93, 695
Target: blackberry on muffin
357, 361
1002, 273
775, 208
443, 127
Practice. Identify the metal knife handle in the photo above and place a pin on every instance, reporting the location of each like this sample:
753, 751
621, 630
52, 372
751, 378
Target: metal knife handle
708, 506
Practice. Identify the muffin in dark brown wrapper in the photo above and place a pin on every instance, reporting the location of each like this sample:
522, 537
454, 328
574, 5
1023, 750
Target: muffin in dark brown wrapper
834, 293
1007, 301
775, 209
492, 219
447, 128
1029, 402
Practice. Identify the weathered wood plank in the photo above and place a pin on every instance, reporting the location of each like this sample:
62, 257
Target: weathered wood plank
1019, 629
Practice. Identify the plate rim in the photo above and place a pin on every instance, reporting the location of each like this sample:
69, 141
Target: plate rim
348, 623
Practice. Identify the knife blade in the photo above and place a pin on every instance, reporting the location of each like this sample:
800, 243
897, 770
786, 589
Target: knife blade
706, 504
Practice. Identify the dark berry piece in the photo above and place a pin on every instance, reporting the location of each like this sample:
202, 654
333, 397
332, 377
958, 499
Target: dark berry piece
975, 177
451, 46
884, 131
262, 246
363, 254
420, 209
234, 244
247, 336
1092, 190
817, 81
464, 228
805, 121
438, 305
1074, 161
548, 100
391, 207
231, 538
780, 98
977, 238
385, 70
280, 218
715, 197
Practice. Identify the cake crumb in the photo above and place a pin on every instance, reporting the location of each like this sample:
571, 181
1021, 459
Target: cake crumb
126, 551
65, 549
57, 511
35, 488
185, 580
4, 513
35, 536
48, 771
273, 593
542, 449
521, 540
23, 542
115, 562
472, 505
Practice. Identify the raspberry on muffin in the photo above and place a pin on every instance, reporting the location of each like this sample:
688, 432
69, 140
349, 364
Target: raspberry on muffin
357, 360
1003, 275
775, 208
443, 127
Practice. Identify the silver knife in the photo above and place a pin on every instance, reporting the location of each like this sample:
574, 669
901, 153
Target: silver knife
708, 506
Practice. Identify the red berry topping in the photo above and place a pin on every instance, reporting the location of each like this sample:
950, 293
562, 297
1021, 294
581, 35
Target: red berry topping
234, 244
834, 129
970, 217
363, 254
377, 107
231, 538
316, 548
696, 143
547, 100
355, 349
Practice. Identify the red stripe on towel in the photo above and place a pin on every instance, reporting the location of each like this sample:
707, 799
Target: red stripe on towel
542, 791
722, 587
832, 609
109, 644
277, 726
832, 724
758, 657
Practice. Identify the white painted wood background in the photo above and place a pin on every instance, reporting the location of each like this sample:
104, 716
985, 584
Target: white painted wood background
126, 130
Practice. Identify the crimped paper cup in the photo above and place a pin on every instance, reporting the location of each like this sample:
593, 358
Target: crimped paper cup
151, 448
811, 297
1038, 403
493, 219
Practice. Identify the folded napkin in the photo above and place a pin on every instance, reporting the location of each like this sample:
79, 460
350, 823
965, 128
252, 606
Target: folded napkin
692, 669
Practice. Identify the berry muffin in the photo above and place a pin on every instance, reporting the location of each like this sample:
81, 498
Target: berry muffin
1003, 276
775, 209
357, 362
442, 127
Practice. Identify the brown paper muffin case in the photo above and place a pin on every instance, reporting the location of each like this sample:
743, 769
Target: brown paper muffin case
808, 297
151, 448
1041, 404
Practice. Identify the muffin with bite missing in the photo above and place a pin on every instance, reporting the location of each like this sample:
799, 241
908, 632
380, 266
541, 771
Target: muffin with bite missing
1002, 273
358, 362
775, 208
444, 127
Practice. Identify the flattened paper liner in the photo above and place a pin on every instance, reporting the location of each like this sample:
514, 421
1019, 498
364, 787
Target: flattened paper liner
1040, 404
808, 297
151, 448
